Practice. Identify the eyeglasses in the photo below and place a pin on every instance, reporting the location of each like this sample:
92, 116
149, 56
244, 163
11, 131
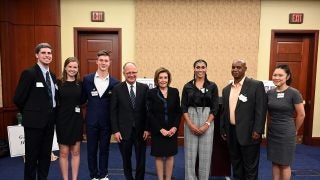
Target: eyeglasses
131, 73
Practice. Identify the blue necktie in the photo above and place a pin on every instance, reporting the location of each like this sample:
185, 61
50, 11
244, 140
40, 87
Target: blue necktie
48, 82
132, 97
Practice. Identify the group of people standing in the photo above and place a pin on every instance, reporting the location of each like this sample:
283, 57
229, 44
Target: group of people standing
131, 112
244, 107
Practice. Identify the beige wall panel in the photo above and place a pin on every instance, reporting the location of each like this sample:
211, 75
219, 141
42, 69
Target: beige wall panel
174, 34
275, 15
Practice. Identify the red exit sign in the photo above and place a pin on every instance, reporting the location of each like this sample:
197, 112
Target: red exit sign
97, 16
296, 18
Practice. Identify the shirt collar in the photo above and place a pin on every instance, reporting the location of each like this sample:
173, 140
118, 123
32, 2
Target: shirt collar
240, 83
129, 85
97, 76
43, 69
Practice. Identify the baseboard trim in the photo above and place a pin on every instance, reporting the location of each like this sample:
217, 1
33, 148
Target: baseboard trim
315, 141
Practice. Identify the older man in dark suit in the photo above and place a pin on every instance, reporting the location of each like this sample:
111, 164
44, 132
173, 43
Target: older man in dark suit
35, 98
128, 118
243, 120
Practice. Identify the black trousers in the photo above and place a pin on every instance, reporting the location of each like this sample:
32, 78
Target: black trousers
244, 159
38, 147
140, 151
98, 138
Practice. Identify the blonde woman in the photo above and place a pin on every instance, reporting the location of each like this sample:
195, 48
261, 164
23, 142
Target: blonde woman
164, 115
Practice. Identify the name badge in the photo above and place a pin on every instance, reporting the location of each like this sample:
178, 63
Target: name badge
94, 93
39, 84
243, 98
280, 95
77, 109
204, 90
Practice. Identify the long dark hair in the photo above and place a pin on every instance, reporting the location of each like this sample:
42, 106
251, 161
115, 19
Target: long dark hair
287, 70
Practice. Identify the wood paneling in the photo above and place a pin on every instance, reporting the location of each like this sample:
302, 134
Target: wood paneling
181, 132
3, 6
19, 12
51, 34
315, 141
82, 35
24, 24
298, 49
90, 43
31, 12
2, 130
48, 12
19, 55
7, 117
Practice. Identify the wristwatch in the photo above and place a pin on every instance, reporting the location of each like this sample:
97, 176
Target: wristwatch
207, 123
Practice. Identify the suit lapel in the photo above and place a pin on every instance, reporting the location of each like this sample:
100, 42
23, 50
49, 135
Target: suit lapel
138, 92
228, 89
125, 92
40, 75
108, 88
243, 90
91, 80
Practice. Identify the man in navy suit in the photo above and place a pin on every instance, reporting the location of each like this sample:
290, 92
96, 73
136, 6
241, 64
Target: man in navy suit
129, 122
97, 88
35, 98
242, 123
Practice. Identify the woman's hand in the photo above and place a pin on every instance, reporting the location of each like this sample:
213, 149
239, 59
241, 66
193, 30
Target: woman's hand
172, 131
204, 128
164, 132
194, 129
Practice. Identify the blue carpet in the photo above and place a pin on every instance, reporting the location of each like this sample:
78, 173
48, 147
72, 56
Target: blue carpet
305, 167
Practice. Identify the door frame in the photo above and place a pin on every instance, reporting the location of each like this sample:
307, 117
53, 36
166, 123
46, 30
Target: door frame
77, 31
314, 34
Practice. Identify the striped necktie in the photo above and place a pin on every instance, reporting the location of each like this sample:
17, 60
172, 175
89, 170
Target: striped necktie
132, 97
48, 82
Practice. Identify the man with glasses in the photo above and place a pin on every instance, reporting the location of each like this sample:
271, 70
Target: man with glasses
97, 88
129, 122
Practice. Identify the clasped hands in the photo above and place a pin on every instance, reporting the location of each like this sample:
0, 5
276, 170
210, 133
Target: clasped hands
169, 133
198, 130
117, 136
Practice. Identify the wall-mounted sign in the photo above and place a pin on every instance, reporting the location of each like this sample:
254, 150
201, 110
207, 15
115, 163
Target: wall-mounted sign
97, 16
296, 18
147, 81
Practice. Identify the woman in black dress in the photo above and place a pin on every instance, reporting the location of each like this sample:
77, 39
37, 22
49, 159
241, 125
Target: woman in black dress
69, 120
164, 116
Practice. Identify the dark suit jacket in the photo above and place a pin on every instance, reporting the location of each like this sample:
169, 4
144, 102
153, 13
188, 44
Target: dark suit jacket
32, 98
250, 116
156, 114
123, 115
98, 108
